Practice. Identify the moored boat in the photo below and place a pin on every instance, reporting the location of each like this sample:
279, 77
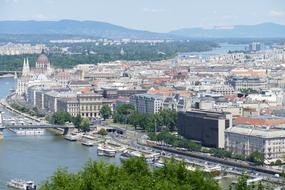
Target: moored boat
87, 143
104, 150
71, 137
28, 132
127, 154
22, 184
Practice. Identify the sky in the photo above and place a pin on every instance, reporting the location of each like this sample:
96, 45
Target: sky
151, 15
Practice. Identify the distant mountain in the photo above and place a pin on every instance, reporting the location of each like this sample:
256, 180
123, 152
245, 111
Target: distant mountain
264, 30
72, 27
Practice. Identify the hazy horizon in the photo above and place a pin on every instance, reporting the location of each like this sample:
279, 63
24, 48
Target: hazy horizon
155, 16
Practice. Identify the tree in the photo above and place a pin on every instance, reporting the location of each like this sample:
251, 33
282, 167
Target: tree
105, 112
122, 113
242, 183
256, 157
85, 124
59, 118
102, 132
278, 162
133, 174
76, 121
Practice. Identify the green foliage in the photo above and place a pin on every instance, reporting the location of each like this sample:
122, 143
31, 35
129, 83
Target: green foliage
242, 184
134, 174
122, 113
76, 121
221, 153
278, 163
174, 140
133, 51
256, 157
248, 91
105, 112
165, 119
31, 111
102, 132
59, 118
85, 124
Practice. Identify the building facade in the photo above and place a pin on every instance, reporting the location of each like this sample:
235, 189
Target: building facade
146, 103
245, 139
85, 105
248, 83
206, 127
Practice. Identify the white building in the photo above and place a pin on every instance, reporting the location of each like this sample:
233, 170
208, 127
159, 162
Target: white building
40, 73
245, 139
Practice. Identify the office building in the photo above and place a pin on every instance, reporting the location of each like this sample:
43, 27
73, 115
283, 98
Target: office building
245, 139
206, 127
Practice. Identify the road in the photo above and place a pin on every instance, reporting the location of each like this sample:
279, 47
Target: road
134, 139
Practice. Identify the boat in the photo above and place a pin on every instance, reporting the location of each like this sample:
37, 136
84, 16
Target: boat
28, 132
104, 150
158, 164
88, 137
71, 137
128, 154
22, 184
88, 143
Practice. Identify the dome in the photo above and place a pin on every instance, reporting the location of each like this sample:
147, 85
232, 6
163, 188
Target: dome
42, 59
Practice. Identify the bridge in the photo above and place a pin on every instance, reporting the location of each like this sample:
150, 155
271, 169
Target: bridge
13, 126
39, 126
10, 72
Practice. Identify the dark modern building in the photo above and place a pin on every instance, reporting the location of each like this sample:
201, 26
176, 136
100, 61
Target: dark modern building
206, 127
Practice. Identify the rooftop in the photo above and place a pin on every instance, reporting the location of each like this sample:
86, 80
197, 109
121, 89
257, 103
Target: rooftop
277, 131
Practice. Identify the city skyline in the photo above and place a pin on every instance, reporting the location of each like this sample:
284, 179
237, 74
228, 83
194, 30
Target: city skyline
158, 16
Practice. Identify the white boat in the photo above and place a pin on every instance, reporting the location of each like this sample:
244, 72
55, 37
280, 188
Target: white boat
28, 132
104, 150
22, 184
71, 137
88, 143
127, 154
158, 164
88, 137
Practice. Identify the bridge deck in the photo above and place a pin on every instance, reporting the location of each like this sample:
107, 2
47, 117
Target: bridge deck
42, 126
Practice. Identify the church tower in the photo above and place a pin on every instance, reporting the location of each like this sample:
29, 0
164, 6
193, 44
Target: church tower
26, 68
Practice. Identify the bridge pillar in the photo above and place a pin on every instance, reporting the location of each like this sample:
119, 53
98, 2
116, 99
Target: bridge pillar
1, 132
1, 126
65, 130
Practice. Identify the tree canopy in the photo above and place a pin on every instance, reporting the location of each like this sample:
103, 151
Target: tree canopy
134, 174
105, 112
60, 118
165, 119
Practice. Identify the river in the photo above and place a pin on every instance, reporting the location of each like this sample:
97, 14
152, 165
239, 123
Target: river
37, 157
223, 48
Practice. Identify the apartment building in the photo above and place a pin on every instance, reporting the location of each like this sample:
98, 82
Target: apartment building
146, 103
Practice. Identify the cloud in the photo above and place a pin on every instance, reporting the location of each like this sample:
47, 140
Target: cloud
148, 10
275, 13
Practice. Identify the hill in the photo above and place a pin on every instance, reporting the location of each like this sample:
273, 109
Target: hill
264, 30
72, 27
